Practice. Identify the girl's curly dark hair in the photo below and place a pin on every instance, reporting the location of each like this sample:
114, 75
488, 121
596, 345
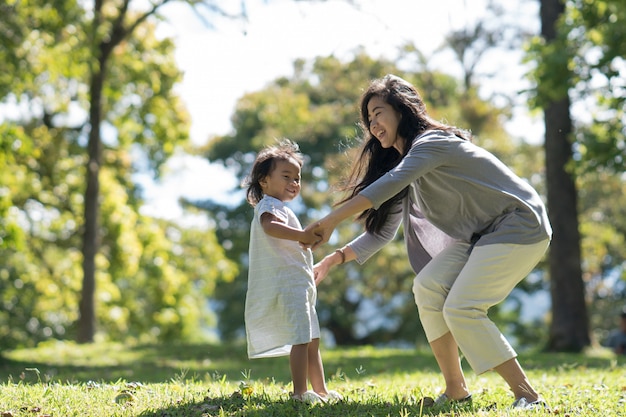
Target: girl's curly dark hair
265, 163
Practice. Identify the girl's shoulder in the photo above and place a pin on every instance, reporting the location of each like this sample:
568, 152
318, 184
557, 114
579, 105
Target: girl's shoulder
272, 205
269, 203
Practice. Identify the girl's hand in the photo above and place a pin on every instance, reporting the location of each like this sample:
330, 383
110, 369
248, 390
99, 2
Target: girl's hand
308, 238
321, 230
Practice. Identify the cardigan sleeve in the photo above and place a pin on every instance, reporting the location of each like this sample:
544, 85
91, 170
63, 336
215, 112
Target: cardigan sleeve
367, 244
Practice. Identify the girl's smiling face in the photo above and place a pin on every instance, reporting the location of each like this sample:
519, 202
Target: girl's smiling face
283, 182
383, 123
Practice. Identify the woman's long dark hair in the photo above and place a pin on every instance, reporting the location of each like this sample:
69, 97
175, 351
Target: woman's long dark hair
375, 161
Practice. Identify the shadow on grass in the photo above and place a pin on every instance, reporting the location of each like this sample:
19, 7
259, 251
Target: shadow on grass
200, 362
262, 406
67, 362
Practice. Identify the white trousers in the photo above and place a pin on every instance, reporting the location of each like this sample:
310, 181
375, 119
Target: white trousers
456, 289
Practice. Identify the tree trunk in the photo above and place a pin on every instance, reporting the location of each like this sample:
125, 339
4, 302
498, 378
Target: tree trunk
91, 243
569, 330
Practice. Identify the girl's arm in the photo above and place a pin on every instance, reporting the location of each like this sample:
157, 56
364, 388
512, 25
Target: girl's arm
275, 227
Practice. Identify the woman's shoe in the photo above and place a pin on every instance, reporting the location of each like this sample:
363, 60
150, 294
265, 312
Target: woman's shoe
523, 404
443, 399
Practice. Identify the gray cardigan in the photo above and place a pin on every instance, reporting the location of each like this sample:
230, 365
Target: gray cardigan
457, 191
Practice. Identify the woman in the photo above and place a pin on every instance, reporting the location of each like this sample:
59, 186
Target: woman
473, 230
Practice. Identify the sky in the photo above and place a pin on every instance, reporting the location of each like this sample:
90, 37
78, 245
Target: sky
223, 63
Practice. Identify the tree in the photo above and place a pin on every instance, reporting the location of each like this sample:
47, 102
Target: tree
153, 275
579, 56
597, 39
110, 26
569, 328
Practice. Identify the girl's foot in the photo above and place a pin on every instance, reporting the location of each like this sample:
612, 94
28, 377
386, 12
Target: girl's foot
308, 397
332, 396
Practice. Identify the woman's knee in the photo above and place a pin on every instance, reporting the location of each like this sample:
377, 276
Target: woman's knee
456, 312
427, 292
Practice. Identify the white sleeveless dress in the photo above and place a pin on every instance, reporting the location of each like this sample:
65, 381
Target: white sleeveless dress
281, 295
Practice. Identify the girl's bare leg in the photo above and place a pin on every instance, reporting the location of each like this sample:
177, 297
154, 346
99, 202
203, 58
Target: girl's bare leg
316, 368
298, 363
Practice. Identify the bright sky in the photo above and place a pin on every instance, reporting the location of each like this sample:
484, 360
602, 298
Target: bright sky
222, 64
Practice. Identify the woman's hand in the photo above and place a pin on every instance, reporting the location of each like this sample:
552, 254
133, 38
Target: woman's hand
320, 270
338, 257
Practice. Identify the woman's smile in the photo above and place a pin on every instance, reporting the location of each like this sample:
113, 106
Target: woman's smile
383, 123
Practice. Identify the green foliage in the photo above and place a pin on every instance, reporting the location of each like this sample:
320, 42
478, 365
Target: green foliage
153, 276
140, 101
30, 28
218, 380
603, 231
40, 263
587, 62
590, 50
597, 30
318, 108
552, 76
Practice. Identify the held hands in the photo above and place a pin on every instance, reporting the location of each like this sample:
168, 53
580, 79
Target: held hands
324, 227
308, 238
322, 231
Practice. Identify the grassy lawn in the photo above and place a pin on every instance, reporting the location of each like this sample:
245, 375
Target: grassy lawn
65, 379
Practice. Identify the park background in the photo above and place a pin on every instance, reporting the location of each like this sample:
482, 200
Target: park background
120, 211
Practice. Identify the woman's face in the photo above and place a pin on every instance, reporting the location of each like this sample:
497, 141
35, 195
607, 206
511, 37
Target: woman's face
384, 121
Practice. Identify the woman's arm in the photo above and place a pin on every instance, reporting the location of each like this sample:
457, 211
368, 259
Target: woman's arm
324, 227
338, 257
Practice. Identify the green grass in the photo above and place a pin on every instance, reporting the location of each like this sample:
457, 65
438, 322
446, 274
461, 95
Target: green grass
104, 380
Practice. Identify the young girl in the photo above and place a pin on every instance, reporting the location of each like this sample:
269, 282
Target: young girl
280, 311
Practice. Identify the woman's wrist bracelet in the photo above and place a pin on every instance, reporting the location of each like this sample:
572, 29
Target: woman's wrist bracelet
343, 255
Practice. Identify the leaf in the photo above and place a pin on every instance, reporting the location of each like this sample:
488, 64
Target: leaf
124, 397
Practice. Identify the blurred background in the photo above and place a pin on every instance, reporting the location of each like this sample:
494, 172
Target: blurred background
126, 127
